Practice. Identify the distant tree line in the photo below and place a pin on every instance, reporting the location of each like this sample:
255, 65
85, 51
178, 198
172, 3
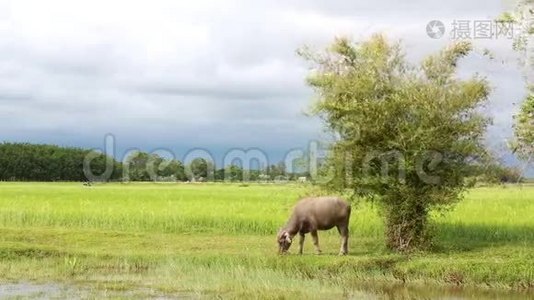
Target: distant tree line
200, 171
498, 173
30, 162
35, 162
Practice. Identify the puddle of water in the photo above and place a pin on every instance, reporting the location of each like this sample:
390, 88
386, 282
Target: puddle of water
28, 290
363, 291
13, 290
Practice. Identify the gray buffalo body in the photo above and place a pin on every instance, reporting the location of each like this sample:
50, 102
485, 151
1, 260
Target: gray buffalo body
313, 214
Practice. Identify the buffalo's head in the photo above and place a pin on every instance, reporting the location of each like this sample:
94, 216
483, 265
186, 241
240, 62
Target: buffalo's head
284, 241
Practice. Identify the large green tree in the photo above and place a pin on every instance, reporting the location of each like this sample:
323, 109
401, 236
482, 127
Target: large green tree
407, 135
523, 15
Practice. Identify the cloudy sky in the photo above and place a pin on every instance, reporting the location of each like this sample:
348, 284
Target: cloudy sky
210, 74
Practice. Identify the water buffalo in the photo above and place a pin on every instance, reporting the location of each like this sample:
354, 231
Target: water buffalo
312, 214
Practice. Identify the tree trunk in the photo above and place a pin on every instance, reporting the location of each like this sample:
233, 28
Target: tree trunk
406, 226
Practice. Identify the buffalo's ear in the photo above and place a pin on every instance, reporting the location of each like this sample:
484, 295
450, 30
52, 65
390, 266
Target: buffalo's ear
288, 238
280, 235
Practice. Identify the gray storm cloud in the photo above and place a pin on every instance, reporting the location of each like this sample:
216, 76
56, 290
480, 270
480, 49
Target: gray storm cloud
215, 73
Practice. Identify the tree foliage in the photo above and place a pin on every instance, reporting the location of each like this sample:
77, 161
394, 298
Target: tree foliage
523, 15
142, 166
31, 162
200, 169
406, 135
524, 129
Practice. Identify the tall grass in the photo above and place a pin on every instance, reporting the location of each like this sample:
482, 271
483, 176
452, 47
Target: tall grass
224, 208
487, 214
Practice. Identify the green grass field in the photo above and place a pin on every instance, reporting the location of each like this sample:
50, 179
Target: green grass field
219, 240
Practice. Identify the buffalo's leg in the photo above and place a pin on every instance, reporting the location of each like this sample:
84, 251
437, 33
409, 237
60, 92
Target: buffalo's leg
344, 232
316, 241
301, 242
